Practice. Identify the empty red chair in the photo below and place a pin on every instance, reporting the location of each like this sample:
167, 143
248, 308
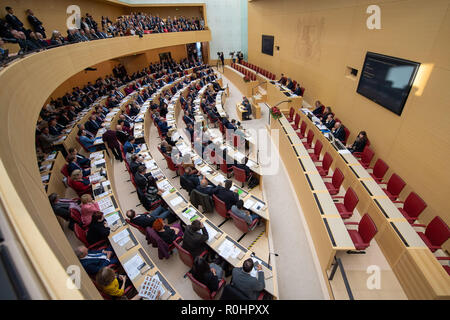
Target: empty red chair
395, 185
172, 166
221, 207
347, 134
294, 83
326, 164
379, 170
301, 134
185, 256
240, 175
366, 231
336, 181
202, 290
436, 233
366, 157
309, 139
296, 122
224, 168
315, 156
242, 225
65, 171
412, 207
350, 201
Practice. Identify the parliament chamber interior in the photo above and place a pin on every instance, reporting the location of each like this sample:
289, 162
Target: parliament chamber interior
224, 150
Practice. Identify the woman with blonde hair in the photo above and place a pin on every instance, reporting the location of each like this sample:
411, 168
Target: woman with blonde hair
88, 207
80, 184
111, 283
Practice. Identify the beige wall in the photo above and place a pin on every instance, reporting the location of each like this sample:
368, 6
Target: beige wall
319, 39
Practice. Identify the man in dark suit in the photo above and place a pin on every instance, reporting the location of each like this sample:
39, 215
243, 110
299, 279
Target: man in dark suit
122, 136
290, 84
110, 138
35, 23
94, 260
226, 195
135, 162
282, 80
193, 241
194, 178
81, 160
13, 21
92, 125
140, 178
187, 119
338, 131
245, 282
145, 220
206, 188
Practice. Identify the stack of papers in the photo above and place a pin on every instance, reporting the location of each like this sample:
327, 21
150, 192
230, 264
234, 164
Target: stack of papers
228, 249
190, 214
150, 288
122, 237
211, 232
176, 201
219, 178
105, 203
133, 266
112, 218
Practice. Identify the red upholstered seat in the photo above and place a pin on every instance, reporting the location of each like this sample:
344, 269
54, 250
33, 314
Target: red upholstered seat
436, 233
413, 207
379, 170
336, 181
366, 231
326, 163
315, 156
394, 186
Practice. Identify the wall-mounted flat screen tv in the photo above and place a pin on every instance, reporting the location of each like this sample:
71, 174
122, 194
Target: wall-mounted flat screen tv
267, 45
387, 80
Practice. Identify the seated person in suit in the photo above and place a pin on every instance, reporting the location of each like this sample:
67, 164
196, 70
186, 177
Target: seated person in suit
130, 148
126, 128
338, 131
290, 84
318, 110
146, 219
195, 237
94, 260
239, 210
282, 80
112, 284
189, 175
245, 282
60, 208
98, 229
92, 125
187, 119
209, 274
329, 122
165, 232
226, 195
88, 207
359, 144
298, 90
81, 160
205, 188
135, 162
80, 184
87, 143
248, 109
325, 114
166, 148
73, 165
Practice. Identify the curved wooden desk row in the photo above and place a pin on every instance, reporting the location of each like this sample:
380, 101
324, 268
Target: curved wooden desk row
219, 241
130, 252
51, 173
399, 242
23, 196
238, 80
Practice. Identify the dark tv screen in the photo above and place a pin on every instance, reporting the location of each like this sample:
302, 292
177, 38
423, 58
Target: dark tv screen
387, 80
267, 45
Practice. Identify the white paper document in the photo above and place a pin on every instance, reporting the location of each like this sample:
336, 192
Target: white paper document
132, 266
121, 235
249, 203
211, 232
176, 201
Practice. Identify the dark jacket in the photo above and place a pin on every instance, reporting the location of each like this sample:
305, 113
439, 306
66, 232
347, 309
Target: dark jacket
143, 220
227, 196
168, 235
97, 231
340, 134
110, 138
194, 242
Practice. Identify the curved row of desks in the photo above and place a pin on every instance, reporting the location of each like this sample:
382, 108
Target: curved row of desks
219, 241
399, 242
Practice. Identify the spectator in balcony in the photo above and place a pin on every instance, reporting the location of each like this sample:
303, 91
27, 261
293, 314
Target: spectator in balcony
13, 21
56, 38
35, 23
